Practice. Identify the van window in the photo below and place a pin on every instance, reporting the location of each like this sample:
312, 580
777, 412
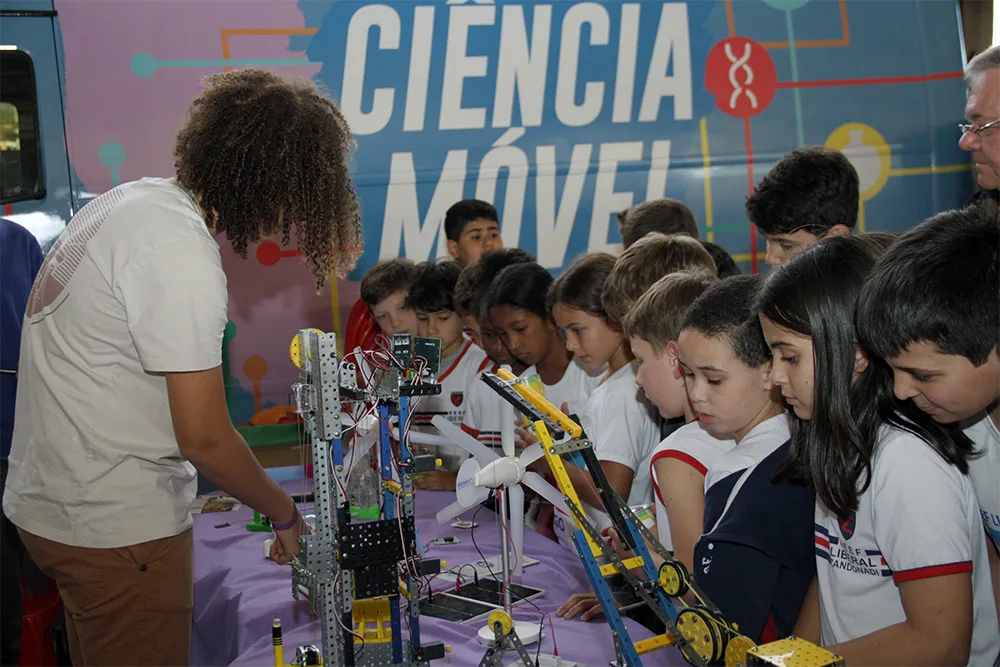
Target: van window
20, 147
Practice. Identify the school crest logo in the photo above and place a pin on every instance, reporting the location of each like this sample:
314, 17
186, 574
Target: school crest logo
457, 397
847, 525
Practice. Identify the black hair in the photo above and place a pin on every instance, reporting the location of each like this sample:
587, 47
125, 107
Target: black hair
521, 286
811, 188
815, 294
725, 265
433, 286
385, 279
462, 213
725, 310
580, 286
476, 277
939, 283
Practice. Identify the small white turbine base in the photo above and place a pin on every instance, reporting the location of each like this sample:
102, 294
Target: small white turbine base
527, 632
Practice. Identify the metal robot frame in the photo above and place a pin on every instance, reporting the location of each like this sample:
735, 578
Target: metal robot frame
350, 570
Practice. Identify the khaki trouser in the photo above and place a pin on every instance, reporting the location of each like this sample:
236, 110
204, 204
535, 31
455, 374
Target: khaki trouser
126, 606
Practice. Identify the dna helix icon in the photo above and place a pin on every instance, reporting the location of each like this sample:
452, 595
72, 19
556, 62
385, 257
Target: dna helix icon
736, 65
741, 76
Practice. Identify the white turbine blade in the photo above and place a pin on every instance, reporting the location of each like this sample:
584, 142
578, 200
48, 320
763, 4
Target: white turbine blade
450, 512
531, 454
507, 428
538, 484
515, 494
464, 440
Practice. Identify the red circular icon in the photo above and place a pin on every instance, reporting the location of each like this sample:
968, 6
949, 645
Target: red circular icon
741, 75
268, 253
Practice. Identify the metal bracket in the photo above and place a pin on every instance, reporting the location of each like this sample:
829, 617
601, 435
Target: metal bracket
574, 445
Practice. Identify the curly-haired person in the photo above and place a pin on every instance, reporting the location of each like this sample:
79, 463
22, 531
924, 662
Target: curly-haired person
120, 395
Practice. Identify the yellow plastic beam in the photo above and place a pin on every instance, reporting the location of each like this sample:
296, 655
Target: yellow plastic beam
655, 643
542, 404
563, 481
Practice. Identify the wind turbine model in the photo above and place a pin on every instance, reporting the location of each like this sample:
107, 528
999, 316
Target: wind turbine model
486, 471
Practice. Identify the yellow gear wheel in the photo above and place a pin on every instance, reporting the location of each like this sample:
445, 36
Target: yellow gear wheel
736, 650
673, 578
503, 618
700, 628
295, 350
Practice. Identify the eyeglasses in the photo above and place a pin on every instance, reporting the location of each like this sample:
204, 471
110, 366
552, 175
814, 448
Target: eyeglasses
965, 127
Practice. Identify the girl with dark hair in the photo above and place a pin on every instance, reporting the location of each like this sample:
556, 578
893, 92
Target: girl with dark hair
902, 574
516, 307
620, 425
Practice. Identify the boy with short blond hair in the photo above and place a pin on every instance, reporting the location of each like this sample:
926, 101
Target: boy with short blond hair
646, 261
680, 462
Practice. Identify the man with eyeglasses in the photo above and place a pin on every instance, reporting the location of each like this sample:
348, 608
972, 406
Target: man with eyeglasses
981, 136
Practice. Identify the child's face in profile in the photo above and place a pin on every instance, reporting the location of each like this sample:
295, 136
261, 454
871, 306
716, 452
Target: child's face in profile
393, 316
658, 375
444, 325
587, 336
527, 336
948, 387
493, 345
728, 397
791, 366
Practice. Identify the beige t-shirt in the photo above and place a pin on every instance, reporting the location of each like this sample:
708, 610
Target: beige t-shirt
133, 288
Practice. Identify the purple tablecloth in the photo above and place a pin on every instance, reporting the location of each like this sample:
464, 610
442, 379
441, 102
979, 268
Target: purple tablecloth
238, 593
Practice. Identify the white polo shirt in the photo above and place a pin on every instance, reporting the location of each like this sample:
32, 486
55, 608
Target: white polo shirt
755, 446
132, 289
918, 518
623, 429
985, 474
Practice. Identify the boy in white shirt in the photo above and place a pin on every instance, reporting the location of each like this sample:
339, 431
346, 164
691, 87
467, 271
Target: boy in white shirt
644, 262
681, 462
431, 297
931, 310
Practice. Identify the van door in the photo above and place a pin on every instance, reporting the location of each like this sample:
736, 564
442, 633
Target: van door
34, 167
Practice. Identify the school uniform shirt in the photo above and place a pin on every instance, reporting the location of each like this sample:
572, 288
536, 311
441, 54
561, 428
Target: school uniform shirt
459, 372
697, 448
482, 413
985, 474
132, 289
917, 519
756, 560
623, 429
762, 439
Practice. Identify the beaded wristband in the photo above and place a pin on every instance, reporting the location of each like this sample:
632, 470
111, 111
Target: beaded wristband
290, 523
